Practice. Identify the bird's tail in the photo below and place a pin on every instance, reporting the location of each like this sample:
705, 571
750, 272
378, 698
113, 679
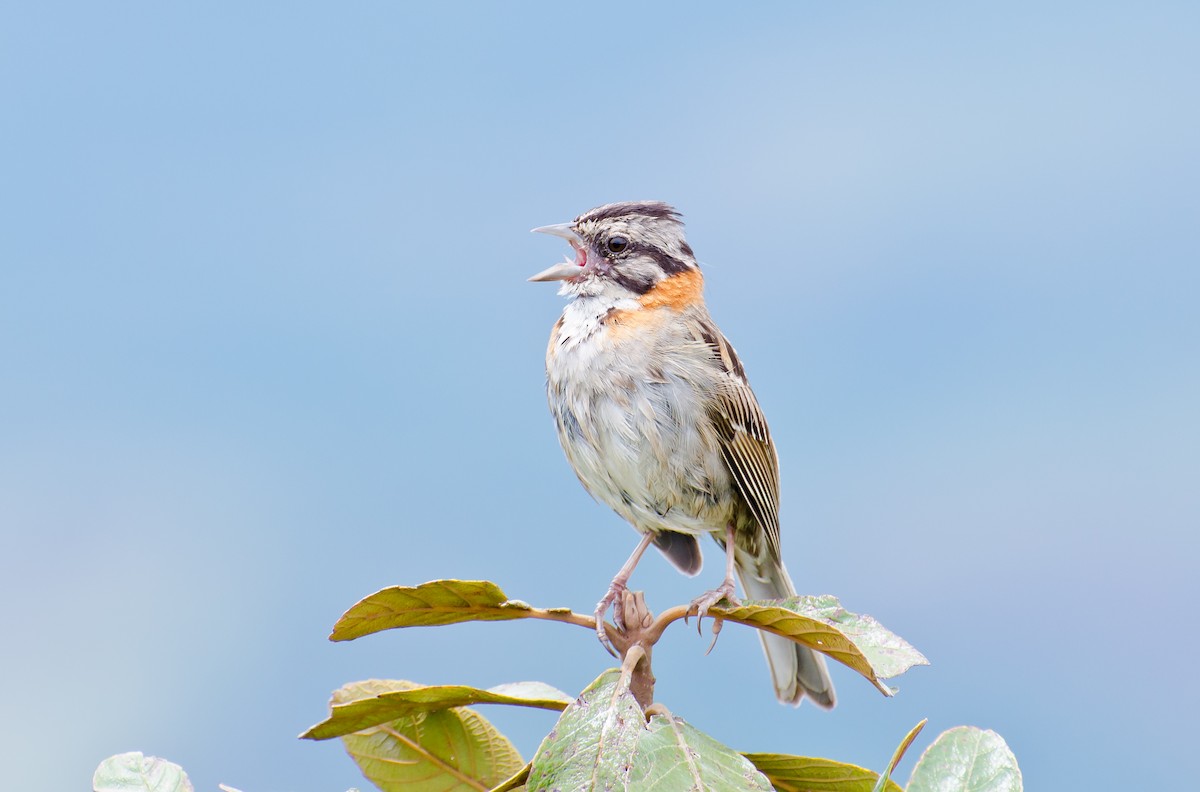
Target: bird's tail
797, 671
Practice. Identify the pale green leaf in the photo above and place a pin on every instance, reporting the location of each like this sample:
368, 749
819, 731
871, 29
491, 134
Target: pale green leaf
820, 623
673, 755
805, 774
889, 654
592, 745
533, 691
134, 772
390, 704
966, 759
441, 751
603, 741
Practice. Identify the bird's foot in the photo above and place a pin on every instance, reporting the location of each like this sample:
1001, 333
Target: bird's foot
616, 592
700, 605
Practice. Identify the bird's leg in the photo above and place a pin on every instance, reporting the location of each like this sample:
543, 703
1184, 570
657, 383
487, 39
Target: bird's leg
615, 590
726, 590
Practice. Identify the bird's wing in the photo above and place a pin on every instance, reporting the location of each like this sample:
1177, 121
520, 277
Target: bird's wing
744, 438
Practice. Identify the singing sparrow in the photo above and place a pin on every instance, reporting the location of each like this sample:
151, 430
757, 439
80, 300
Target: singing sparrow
656, 416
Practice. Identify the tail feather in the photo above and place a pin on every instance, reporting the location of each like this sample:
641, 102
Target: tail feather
682, 550
796, 671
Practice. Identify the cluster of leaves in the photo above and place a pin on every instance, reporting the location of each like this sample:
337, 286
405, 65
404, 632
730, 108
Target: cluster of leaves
406, 736
413, 737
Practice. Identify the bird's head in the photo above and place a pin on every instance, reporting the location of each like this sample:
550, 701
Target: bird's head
621, 249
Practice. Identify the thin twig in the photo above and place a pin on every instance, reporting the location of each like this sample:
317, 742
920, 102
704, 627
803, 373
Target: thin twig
655, 631
563, 615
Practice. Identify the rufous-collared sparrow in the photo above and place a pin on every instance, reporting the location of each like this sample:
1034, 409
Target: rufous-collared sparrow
655, 414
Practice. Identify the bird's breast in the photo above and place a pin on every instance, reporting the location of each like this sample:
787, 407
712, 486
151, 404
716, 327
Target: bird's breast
629, 390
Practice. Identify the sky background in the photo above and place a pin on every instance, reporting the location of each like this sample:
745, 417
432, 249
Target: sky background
267, 347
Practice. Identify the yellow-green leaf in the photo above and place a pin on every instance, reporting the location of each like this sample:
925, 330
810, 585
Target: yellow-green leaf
370, 711
515, 782
806, 774
433, 603
448, 750
897, 755
855, 640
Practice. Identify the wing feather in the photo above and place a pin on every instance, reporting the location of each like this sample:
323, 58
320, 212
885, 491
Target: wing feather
744, 438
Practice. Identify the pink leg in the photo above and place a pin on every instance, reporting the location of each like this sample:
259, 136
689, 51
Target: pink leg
726, 590
615, 590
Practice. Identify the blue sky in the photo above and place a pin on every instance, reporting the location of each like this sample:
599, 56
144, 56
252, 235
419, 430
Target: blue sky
268, 347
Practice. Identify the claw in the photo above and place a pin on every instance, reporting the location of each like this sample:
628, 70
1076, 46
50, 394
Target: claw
618, 609
716, 631
602, 634
725, 591
701, 604
614, 592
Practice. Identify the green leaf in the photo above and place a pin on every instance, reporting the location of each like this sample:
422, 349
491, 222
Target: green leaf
134, 772
672, 754
391, 704
804, 774
966, 759
820, 623
434, 603
438, 751
603, 741
592, 745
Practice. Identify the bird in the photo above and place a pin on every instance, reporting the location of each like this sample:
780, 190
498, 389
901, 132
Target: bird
655, 414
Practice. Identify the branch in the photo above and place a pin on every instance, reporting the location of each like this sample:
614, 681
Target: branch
819, 623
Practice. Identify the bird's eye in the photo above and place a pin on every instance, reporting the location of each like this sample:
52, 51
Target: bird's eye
616, 244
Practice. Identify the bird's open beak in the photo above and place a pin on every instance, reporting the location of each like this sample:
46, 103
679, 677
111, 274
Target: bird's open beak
564, 269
